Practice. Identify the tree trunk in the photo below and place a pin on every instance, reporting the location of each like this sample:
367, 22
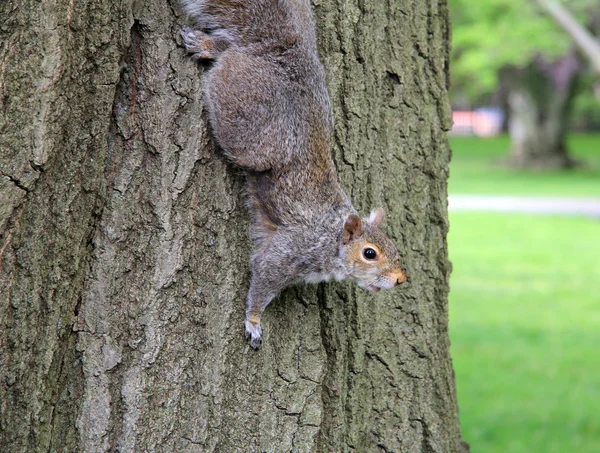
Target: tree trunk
124, 245
540, 99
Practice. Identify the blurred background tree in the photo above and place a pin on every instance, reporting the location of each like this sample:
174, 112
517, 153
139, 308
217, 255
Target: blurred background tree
524, 323
511, 53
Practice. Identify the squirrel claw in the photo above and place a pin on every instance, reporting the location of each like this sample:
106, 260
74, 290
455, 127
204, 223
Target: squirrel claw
255, 343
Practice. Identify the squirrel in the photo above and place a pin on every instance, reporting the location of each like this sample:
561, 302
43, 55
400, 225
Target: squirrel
270, 114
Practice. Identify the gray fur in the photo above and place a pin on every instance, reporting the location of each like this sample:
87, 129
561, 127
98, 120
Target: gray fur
270, 114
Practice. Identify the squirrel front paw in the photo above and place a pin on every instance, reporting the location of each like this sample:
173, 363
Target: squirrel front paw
198, 43
254, 334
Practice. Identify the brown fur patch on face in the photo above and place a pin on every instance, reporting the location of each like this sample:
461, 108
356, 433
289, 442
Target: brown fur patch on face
355, 254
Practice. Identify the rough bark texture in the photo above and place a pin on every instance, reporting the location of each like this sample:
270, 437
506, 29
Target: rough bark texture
124, 246
540, 99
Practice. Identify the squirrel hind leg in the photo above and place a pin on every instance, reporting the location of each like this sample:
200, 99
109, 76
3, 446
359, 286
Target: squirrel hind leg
254, 310
204, 46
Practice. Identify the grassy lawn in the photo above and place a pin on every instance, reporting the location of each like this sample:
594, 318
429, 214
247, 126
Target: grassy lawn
475, 169
525, 330
525, 307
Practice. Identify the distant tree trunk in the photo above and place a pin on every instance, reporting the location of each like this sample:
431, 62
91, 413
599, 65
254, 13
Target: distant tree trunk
540, 98
124, 245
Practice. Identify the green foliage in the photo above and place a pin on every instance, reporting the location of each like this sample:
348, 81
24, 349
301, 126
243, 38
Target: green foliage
525, 330
489, 35
476, 168
586, 111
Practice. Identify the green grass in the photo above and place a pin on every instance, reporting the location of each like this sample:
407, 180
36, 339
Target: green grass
525, 330
525, 306
476, 168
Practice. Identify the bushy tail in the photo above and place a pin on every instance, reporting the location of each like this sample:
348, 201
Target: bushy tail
246, 21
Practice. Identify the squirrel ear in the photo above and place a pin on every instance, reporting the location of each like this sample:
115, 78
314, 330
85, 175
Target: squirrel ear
376, 217
352, 228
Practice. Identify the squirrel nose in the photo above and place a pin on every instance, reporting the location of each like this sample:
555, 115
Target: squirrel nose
399, 277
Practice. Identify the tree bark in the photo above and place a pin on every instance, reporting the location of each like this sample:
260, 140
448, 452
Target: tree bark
124, 245
540, 99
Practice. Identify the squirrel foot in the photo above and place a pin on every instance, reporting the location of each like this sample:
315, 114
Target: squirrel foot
198, 43
254, 334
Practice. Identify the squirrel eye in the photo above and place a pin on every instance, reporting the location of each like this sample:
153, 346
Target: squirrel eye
369, 253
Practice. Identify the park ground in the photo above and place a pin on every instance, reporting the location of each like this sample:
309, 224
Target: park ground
525, 305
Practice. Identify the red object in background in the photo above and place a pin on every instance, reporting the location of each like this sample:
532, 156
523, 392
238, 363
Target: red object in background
483, 123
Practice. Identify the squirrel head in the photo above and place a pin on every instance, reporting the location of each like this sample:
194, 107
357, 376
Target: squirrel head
370, 257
